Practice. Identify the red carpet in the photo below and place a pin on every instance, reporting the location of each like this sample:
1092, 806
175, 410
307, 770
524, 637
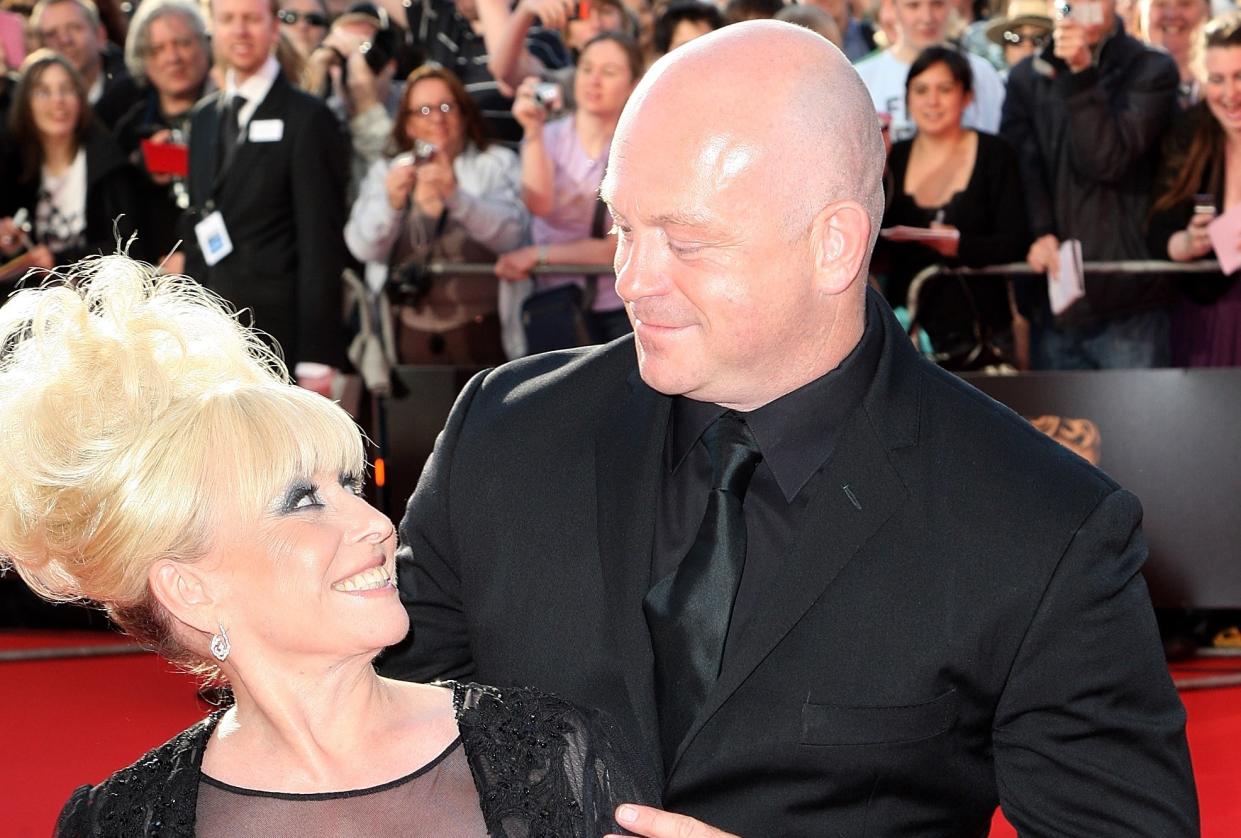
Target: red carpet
69, 722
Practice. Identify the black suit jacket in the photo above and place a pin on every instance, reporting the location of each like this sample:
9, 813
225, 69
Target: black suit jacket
973, 630
284, 206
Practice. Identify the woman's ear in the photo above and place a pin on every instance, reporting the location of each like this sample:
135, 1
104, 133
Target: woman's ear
184, 593
840, 243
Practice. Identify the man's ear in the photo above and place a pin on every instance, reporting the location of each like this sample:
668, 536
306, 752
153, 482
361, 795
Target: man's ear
840, 244
184, 592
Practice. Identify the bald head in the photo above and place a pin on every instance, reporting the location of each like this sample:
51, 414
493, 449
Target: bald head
771, 96
746, 180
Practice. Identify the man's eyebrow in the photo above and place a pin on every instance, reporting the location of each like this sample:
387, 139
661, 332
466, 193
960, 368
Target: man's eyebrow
676, 218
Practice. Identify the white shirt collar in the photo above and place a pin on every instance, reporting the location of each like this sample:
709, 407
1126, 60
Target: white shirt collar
254, 89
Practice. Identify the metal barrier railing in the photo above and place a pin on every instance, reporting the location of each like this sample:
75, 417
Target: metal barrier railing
1131, 266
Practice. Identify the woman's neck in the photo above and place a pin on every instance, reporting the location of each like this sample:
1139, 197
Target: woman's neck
58, 154
946, 141
308, 720
594, 132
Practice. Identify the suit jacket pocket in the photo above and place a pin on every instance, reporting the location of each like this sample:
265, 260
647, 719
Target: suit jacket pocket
836, 724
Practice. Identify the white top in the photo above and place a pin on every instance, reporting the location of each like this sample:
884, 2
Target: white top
487, 203
60, 215
884, 76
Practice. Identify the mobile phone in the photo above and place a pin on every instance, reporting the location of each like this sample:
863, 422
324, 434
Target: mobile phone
1204, 204
580, 10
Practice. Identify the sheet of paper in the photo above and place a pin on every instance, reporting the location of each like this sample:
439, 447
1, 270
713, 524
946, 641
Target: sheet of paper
1071, 285
1225, 233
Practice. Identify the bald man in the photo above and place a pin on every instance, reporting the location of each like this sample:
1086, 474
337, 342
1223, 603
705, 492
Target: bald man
826, 588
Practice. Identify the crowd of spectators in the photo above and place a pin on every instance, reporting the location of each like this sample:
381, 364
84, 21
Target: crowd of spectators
266, 147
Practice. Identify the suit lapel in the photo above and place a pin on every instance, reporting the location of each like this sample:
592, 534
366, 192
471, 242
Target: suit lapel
629, 456
856, 492
203, 148
241, 156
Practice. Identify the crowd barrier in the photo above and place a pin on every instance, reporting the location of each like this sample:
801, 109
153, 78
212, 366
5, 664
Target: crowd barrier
1168, 435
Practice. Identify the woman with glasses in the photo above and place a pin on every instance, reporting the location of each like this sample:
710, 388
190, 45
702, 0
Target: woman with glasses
562, 164
159, 462
955, 199
304, 23
1200, 178
74, 193
446, 194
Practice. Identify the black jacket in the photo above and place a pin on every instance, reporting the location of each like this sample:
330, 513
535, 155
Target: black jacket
960, 621
283, 203
542, 767
111, 199
1087, 144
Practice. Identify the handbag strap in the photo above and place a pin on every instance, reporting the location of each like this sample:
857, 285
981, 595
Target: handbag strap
596, 232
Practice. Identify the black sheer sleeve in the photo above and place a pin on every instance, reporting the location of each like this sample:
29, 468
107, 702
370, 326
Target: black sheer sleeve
545, 768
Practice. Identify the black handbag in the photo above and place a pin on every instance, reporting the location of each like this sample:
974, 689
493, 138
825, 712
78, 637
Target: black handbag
561, 317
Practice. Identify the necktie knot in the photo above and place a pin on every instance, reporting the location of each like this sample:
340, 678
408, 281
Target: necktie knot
734, 454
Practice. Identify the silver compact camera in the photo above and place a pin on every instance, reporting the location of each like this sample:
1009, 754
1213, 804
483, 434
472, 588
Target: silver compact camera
421, 153
550, 95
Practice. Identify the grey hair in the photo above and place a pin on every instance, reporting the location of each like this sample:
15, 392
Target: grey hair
138, 44
87, 6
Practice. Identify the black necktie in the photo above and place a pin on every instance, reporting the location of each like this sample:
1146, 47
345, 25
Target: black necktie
230, 127
688, 611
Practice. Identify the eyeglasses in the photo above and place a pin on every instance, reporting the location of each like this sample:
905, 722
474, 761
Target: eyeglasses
290, 17
445, 108
1016, 39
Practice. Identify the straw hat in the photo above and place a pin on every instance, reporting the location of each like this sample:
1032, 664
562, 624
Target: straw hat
1020, 13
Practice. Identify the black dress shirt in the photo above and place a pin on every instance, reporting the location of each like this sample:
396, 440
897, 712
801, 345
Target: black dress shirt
796, 433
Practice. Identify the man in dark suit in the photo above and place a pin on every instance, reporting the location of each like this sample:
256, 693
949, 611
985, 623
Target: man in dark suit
826, 587
268, 168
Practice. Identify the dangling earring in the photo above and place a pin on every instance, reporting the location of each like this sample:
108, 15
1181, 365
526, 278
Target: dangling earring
220, 646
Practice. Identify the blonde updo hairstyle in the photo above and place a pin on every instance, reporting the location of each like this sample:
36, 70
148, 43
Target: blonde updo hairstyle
138, 420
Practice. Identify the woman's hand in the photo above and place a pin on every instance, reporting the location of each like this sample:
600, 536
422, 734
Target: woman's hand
1044, 256
529, 113
399, 183
1194, 242
436, 184
517, 264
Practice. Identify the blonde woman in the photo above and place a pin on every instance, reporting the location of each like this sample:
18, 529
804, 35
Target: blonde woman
158, 462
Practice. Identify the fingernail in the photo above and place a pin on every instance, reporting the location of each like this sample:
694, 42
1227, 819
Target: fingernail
627, 814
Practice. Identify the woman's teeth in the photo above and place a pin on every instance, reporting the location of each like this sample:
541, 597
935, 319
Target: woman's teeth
367, 580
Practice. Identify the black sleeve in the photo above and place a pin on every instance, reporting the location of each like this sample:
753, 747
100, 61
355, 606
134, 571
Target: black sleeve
1089, 733
1018, 126
428, 568
74, 820
320, 173
540, 761
1007, 236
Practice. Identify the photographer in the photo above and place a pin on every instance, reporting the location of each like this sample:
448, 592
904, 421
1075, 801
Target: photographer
353, 70
446, 194
562, 165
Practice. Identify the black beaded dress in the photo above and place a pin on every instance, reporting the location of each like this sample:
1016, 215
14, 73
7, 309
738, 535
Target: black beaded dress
526, 765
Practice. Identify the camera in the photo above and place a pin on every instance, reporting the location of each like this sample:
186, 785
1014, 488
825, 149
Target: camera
549, 95
421, 153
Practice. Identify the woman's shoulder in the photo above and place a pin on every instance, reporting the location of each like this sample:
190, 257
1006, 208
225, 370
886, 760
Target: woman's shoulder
540, 754
160, 784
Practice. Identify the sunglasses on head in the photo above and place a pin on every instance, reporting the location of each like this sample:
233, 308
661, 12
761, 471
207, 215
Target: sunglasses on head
290, 17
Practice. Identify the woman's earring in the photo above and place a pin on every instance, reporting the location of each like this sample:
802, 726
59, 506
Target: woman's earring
220, 646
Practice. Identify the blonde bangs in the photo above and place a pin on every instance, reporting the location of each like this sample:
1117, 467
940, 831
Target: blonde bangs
266, 438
